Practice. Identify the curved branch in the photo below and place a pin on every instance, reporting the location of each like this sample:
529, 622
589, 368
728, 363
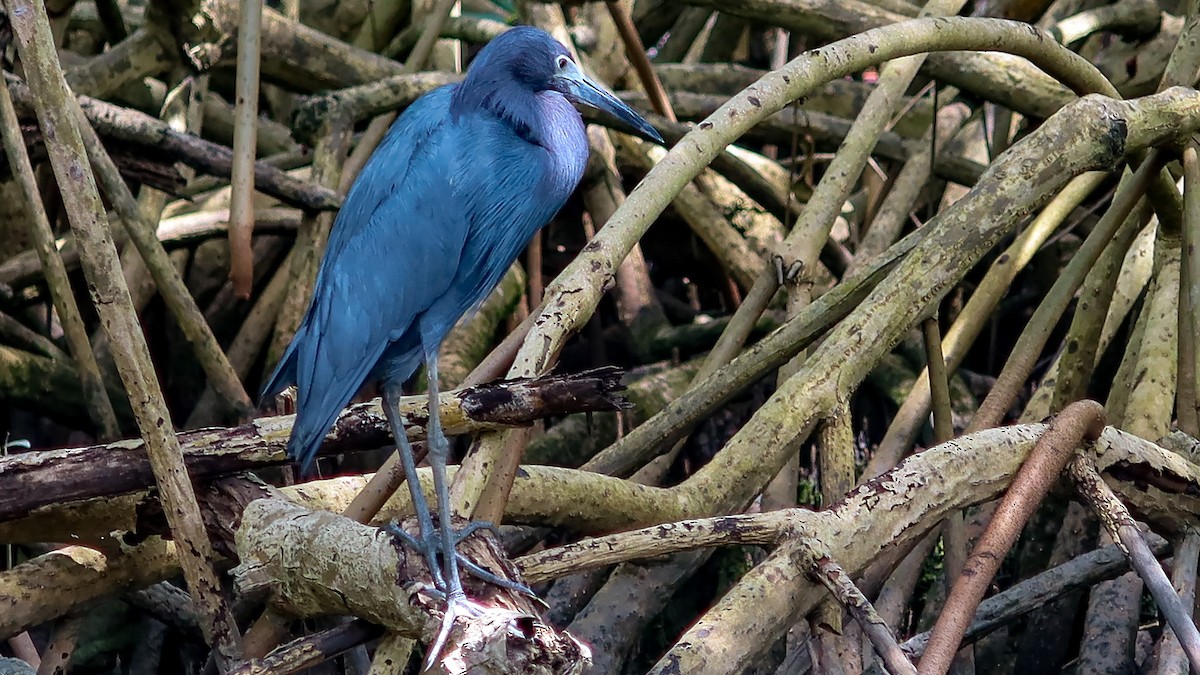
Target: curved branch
574, 295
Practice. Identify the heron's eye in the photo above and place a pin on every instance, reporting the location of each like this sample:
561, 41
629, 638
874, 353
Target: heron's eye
562, 62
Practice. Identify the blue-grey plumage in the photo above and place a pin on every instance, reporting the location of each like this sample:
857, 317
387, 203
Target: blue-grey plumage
463, 179
445, 204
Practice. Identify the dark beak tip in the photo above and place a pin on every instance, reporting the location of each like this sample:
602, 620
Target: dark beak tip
642, 127
639, 127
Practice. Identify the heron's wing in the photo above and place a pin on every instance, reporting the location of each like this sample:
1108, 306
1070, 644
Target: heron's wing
411, 155
509, 188
384, 172
394, 248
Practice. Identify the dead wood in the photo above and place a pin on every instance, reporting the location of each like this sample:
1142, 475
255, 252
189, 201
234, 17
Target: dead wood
32, 480
1010, 235
318, 563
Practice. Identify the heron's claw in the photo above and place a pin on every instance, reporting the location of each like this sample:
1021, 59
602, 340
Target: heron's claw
457, 604
487, 577
430, 547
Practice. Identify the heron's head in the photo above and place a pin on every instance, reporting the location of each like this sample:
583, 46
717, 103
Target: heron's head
536, 61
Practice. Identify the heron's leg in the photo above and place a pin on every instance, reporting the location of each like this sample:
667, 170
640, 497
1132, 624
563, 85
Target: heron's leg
438, 457
439, 452
427, 543
457, 603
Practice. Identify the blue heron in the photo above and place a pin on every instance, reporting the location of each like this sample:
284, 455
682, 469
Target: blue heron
464, 178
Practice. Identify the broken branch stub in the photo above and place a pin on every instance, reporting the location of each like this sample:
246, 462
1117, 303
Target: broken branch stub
318, 563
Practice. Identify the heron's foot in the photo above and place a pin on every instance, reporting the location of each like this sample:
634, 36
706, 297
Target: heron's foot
430, 547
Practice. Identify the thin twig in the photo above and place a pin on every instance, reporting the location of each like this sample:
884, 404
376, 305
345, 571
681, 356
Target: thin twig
954, 530
1189, 296
245, 131
636, 53
1124, 530
533, 263
1077, 422
833, 577
939, 381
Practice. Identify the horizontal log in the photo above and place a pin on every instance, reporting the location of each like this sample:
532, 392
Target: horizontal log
35, 479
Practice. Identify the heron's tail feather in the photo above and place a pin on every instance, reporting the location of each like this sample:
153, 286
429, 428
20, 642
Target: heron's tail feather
324, 385
284, 375
308, 433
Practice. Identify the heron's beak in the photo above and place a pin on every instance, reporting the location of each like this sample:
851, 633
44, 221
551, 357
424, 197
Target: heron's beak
580, 88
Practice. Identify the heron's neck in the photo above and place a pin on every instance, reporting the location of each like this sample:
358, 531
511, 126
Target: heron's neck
564, 138
520, 108
545, 119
